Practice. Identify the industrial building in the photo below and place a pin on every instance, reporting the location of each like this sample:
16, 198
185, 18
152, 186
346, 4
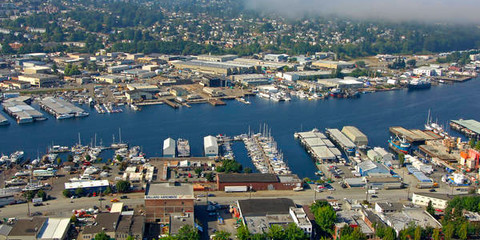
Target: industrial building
258, 181
217, 58
359, 138
341, 83
276, 57
118, 69
222, 68
61, 109
116, 225
163, 200
111, 79
40, 228
469, 127
39, 80
304, 75
249, 80
318, 146
439, 200
6, 199
90, 186
370, 168
333, 64
169, 148
210, 146
21, 111
343, 141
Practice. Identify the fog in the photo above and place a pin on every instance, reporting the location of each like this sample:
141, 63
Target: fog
456, 11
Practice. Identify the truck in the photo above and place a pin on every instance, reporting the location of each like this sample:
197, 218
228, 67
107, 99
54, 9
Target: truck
372, 191
229, 189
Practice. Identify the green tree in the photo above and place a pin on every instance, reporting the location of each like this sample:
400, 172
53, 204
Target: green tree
130, 238
430, 208
247, 170
412, 62
462, 231
243, 233
418, 233
436, 234
66, 193
70, 158
108, 190
275, 232
325, 217
221, 235
73, 219
390, 234
471, 142
188, 232
101, 236
59, 161
209, 176
360, 64
88, 158
79, 192
337, 73
477, 145
29, 195
42, 194
449, 230
198, 171
123, 186
293, 232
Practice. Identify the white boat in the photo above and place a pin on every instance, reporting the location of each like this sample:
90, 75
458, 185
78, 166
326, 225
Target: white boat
65, 116
264, 95
58, 149
82, 114
16, 156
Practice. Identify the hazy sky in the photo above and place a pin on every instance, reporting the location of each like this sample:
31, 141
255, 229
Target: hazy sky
423, 10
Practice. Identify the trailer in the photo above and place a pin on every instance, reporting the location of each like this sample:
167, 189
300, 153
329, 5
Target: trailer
229, 189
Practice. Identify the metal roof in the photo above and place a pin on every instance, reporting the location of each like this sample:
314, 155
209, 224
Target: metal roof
471, 124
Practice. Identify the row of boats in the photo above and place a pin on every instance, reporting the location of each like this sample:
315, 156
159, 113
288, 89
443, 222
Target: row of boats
15, 157
266, 157
107, 108
277, 97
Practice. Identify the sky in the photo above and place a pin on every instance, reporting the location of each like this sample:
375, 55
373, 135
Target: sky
455, 11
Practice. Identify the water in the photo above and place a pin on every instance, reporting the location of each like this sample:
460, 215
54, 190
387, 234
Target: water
372, 113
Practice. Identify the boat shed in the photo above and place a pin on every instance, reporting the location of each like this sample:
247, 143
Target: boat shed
169, 148
359, 138
89, 186
54, 228
210, 146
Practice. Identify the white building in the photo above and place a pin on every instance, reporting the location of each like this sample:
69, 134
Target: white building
210, 146
427, 71
169, 148
300, 218
475, 57
276, 57
439, 201
54, 229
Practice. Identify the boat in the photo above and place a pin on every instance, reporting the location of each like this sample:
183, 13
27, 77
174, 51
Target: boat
183, 148
82, 114
419, 84
297, 189
58, 149
400, 144
16, 156
64, 116
264, 95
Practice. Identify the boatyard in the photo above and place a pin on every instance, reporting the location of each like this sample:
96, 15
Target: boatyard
414, 135
318, 146
21, 111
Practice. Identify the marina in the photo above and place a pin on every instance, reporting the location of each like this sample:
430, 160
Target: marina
21, 111
61, 109
264, 153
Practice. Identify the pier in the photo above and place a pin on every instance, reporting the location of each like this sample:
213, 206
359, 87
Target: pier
3, 120
470, 127
171, 104
318, 146
216, 102
414, 135
343, 141
61, 109
21, 111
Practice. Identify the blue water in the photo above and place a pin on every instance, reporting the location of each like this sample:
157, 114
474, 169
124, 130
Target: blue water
372, 113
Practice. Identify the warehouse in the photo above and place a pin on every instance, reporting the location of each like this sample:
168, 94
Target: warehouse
54, 229
368, 168
359, 138
90, 186
249, 80
169, 148
304, 75
341, 83
162, 200
343, 141
214, 67
217, 58
210, 146
39, 80
333, 64
258, 181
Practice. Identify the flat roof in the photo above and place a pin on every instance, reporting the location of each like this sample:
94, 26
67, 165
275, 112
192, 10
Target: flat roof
86, 184
116, 207
169, 190
104, 222
54, 228
27, 227
471, 124
263, 207
247, 177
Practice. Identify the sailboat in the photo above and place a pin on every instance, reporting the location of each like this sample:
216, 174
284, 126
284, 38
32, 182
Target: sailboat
119, 144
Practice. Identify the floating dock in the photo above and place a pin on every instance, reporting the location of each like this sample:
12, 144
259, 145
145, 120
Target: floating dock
343, 141
61, 109
414, 135
21, 111
216, 102
470, 127
318, 146
171, 104
3, 120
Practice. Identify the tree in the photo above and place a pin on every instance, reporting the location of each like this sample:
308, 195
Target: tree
430, 208
73, 219
243, 233
418, 233
401, 159
29, 195
221, 235
471, 143
130, 238
59, 161
209, 176
108, 190
70, 158
477, 145
337, 73
42, 194
436, 234
188, 232
123, 186
462, 231
325, 217
198, 171
101, 236
412, 62
449, 230
66, 193
360, 64
79, 192
88, 158
275, 232
293, 232
247, 170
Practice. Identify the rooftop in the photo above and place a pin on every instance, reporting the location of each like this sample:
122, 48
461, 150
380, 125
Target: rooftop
263, 207
104, 222
247, 177
471, 124
169, 190
27, 227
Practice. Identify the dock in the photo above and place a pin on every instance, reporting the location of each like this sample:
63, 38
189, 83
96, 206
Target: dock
216, 102
470, 127
318, 146
21, 111
454, 79
437, 151
414, 135
61, 109
3, 120
171, 104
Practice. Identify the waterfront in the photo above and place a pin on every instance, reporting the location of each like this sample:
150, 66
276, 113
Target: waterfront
372, 113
